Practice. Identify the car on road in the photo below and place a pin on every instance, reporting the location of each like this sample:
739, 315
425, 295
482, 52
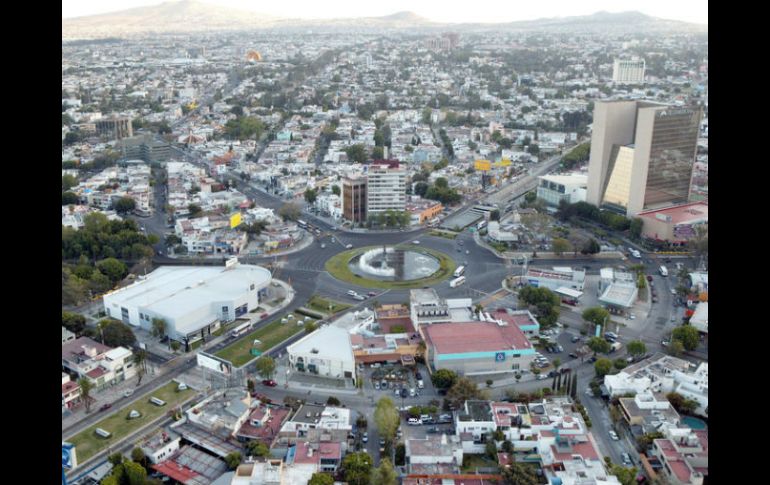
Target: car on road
541, 377
396, 391
626, 459
467, 252
415, 242
649, 277
460, 243
269, 383
434, 430
665, 343
349, 246
323, 246
632, 317
404, 393
414, 422
128, 392
673, 318
384, 384
372, 293
559, 348
365, 437
411, 392
105, 406
614, 435
352, 293
359, 297
376, 385
552, 373
575, 338
573, 355
382, 441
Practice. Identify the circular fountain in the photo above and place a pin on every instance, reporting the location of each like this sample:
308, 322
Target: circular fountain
393, 264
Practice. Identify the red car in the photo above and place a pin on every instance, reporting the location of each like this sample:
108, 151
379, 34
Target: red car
649, 277
269, 382
264, 315
105, 406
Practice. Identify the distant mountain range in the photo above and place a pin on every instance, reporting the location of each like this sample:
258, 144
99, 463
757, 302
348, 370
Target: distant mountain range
193, 16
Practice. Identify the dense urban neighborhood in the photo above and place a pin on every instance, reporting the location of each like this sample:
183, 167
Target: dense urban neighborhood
383, 250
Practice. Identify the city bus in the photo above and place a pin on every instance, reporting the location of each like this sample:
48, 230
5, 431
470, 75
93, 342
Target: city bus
302, 223
663, 271
240, 329
457, 282
459, 271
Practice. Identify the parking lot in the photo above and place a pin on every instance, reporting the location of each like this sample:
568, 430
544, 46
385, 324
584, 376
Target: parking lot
400, 383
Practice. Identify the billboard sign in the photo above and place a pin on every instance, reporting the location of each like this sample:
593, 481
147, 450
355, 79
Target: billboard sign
235, 220
68, 456
482, 165
215, 363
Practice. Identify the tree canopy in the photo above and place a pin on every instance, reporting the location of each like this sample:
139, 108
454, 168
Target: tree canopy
688, 335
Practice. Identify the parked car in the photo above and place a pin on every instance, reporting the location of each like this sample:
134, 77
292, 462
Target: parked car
105, 406
411, 392
372, 293
541, 377
128, 392
269, 382
649, 277
403, 392
376, 385
418, 376
614, 435
415, 242
365, 438
349, 246
559, 348
575, 338
552, 373
445, 417
626, 459
573, 355
414, 422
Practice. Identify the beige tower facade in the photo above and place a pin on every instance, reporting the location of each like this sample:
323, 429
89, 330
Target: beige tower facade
642, 155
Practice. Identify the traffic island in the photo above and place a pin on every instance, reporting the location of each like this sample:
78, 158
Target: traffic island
337, 266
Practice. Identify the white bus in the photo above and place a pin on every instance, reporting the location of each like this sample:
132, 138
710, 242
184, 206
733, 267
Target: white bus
240, 329
663, 271
302, 223
459, 271
481, 225
457, 282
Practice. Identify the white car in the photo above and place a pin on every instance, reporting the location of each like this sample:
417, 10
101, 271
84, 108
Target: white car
614, 435
349, 246
128, 392
415, 242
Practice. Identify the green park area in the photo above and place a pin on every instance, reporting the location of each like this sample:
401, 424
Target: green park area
88, 443
269, 336
337, 266
326, 306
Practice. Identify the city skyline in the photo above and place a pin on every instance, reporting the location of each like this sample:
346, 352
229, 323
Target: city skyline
694, 11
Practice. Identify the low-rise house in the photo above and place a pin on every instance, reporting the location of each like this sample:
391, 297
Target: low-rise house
102, 365
434, 455
663, 374
70, 392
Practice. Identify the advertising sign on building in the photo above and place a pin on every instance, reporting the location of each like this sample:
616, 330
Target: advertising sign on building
235, 220
482, 165
499, 356
214, 363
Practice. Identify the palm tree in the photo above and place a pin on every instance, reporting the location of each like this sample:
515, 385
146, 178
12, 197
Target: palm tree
140, 361
85, 392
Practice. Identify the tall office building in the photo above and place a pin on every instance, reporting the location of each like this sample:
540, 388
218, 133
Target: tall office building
115, 127
354, 199
642, 155
386, 187
628, 71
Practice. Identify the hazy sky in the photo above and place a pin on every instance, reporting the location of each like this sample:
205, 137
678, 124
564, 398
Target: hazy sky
436, 10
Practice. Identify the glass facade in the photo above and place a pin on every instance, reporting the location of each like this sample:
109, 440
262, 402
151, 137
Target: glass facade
618, 189
672, 154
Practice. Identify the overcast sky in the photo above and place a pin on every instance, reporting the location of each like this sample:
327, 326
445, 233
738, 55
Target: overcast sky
437, 10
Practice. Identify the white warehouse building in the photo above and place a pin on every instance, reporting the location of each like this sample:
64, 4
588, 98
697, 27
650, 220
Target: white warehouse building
193, 300
327, 352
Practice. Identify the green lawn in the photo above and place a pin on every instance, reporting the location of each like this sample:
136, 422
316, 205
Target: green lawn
444, 234
270, 335
471, 462
322, 305
337, 266
88, 443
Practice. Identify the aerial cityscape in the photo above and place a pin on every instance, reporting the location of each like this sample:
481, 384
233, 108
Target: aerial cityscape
384, 249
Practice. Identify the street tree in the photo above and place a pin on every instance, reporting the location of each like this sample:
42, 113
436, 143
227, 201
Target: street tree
265, 367
598, 345
462, 390
443, 378
289, 211
68, 181
596, 315
602, 367
117, 333
140, 363
85, 392
676, 348
591, 246
336, 189
158, 328
138, 456
636, 348
385, 474
195, 210
561, 246
124, 205
320, 478
387, 419
356, 153
311, 195
74, 322
626, 476
688, 335
357, 468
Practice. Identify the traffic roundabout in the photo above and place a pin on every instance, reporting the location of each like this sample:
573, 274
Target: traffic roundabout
401, 266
